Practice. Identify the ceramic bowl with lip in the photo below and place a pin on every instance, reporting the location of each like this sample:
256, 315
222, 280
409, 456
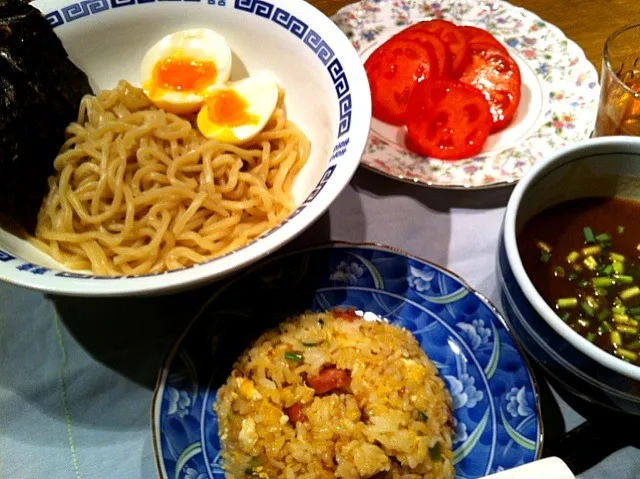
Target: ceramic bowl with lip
602, 167
326, 94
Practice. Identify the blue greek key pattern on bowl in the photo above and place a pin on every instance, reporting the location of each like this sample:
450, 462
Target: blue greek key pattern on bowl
290, 22
316, 43
85, 8
495, 406
257, 7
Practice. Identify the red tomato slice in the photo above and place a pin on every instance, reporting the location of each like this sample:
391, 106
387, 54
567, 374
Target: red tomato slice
448, 33
494, 72
447, 120
441, 51
478, 35
393, 70
329, 379
295, 413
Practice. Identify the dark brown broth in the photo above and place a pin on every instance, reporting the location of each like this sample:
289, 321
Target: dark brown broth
562, 229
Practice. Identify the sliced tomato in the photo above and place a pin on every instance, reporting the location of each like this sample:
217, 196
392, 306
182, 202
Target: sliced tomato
497, 75
393, 70
429, 40
447, 119
295, 413
478, 35
448, 33
329, 379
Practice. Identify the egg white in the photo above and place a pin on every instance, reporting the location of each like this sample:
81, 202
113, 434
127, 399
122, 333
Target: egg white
260, 92
199, 44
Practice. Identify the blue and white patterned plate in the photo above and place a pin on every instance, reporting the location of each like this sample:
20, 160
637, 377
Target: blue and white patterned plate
496, 410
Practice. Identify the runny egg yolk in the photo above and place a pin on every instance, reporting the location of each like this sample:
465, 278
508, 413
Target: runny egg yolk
184, 74
239, 111
227, 108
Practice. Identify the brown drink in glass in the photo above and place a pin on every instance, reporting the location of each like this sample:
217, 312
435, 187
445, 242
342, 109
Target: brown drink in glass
619, 108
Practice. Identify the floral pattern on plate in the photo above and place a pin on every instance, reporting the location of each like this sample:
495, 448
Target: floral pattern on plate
495, 409
559, 97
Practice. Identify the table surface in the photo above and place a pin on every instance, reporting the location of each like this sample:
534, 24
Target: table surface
77, 375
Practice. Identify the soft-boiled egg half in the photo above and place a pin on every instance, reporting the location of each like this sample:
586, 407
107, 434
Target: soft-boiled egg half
236, 112
178, 72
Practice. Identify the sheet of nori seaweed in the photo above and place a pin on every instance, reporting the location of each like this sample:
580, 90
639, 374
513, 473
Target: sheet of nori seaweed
40, 93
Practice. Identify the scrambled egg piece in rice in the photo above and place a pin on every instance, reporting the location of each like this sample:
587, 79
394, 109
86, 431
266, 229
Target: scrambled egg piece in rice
329, 395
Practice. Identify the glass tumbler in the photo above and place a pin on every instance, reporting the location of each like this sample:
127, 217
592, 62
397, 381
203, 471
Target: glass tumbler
619, 107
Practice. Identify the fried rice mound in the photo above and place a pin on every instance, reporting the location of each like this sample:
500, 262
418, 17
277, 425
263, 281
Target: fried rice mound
330, 395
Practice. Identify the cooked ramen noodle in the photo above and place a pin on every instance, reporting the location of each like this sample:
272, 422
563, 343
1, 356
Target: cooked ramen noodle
138, 190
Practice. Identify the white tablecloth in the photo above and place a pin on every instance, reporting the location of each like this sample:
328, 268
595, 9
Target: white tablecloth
76, 385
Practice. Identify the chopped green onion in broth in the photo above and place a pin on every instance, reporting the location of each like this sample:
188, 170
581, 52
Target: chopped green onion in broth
582, 256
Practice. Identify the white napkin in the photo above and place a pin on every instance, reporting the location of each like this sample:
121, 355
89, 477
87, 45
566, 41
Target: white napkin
548, 468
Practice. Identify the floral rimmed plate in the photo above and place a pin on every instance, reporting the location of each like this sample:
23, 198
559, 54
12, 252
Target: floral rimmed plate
559, 91
496, 410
